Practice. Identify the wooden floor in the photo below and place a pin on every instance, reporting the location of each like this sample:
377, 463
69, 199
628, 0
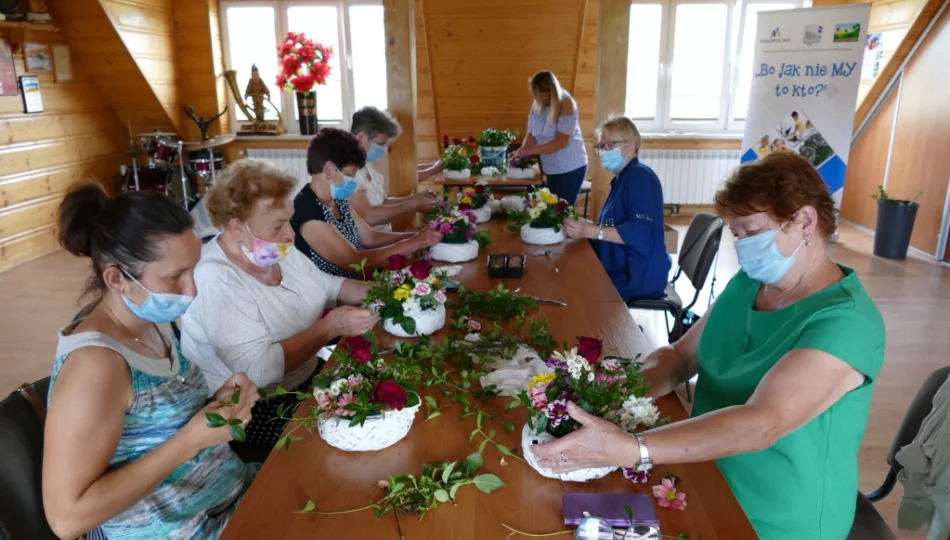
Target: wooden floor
914, 296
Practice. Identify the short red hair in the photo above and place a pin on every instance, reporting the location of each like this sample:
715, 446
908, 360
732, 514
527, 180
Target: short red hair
779, 184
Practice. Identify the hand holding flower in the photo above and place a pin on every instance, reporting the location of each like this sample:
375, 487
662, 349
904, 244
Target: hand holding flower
597, 444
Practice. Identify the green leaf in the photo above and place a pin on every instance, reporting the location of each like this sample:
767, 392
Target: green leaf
397, 487
431, 403
512, 405
478, 420
481, 447
262, 393
309, 507
215, 420
466, 384
508, 425
436, 414
447, 473
237, 433
486, 483
629, 511
408, 324
280, 390
504, 450
472, 463
236, 396
281, 442
491, 434
453, 490
472, 436
441, 495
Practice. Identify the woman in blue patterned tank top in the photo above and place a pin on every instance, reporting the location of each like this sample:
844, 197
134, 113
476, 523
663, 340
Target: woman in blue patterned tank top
128, 452
554, 134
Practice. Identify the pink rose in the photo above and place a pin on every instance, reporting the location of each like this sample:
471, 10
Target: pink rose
324, 400
422, 289
473, 324
440, 296
354, 381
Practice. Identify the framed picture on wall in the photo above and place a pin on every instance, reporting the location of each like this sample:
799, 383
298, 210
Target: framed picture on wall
32, 99
8, 83
37, 57
62, 63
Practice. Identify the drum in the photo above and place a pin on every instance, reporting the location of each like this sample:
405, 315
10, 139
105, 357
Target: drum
166, 150
151, 179
200, 163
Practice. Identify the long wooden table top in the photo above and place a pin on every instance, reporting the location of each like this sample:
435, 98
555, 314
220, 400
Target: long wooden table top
337, 480
493, 181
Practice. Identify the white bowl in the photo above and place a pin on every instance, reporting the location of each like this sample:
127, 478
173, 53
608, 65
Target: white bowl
529, 438
483, 214
457, 175
520, 174
541, 237
375, 434
454, 253
428, 321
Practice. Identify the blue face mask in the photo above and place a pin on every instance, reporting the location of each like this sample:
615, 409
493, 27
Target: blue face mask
344, 191
612, 160
375, 152
761, 259
159, 307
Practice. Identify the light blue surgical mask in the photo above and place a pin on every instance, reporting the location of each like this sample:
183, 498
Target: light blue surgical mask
612, 160
344, 191
375, 152
158, 307
761, 259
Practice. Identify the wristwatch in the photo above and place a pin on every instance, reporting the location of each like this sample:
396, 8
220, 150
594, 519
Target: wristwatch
645, 463
600, 233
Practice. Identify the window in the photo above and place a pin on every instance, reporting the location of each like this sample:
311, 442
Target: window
689, 65
353, 28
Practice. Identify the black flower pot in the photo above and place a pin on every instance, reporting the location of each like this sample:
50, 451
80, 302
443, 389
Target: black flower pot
895, 224
307, 111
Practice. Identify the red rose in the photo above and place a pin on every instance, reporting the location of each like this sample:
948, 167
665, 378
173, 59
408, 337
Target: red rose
359, 348
465, 206
397, 262
445, 141
390, 393
474, 160
420, 269
562, 205
590, 348
471, 139
456, 142
479, 189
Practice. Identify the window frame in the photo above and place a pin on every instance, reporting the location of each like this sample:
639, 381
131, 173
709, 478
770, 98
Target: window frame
281, 25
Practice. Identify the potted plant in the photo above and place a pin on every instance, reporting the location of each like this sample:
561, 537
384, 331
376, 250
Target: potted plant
541, 217
476, 199
460, 238
493, 147
411, 300
303, 64
521, 168
458, 158
365, 403
895, 224
607, 387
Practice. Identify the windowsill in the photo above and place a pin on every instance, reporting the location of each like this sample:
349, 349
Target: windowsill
285, 137
679, 135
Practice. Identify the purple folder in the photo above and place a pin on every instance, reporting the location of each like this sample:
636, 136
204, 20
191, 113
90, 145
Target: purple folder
609, 506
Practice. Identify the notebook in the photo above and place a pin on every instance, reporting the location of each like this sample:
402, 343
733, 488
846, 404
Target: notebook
610, 507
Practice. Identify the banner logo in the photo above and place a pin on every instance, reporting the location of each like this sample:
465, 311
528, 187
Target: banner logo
812, 34
775, 37
847, 32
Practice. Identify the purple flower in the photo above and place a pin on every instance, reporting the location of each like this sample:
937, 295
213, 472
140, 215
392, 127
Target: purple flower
556, 412
635, 476
556, 364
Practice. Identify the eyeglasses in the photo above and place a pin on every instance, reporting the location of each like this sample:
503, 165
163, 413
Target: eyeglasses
609, 145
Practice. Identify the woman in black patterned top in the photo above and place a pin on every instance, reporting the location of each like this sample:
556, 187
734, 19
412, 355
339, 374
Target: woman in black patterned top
325, 229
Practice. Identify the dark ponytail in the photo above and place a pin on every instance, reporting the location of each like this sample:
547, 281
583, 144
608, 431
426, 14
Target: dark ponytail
123, 230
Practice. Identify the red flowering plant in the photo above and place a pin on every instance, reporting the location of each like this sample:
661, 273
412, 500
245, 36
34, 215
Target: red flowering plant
361, 384
607, 387
458, 155
303, 63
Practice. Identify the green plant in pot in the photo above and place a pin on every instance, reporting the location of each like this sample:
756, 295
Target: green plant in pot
493, 148
895, 224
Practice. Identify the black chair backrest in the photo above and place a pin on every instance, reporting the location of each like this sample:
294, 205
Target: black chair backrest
919, 408
700, 247
21, 464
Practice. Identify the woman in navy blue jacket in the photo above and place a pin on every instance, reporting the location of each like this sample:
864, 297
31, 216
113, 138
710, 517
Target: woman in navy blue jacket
628, 235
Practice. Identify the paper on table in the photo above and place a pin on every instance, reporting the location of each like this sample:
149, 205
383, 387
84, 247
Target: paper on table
510, 376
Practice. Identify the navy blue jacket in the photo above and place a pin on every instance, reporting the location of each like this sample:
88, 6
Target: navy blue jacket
640, 267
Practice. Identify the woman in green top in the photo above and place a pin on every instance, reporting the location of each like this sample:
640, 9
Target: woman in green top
787, 359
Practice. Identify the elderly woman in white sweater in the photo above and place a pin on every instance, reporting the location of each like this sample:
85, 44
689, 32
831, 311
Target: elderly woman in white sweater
262, 306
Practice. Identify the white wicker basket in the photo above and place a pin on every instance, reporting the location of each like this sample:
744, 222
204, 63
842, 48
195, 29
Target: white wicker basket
457, 175
494, 206
520, 174
512, 203
541, 237
375, 434
529, 438
428, 321
483, 214
454, 253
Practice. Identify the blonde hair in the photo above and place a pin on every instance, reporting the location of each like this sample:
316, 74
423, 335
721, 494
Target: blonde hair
622, 127
244, 183
545, 81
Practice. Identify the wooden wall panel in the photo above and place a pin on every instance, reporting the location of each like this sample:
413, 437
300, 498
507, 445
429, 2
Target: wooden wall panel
200, 64
920, 160
428, 133
76, 138
866, 165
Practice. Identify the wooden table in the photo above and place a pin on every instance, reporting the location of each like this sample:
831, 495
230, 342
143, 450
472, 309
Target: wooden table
492, 181
337, 480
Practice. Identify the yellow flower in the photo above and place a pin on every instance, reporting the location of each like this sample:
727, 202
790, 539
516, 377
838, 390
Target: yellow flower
402, 293
466, 200
548, 197
540, 378
463, 152
435, 282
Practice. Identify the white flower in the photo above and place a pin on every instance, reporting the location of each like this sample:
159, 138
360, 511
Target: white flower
576, 364
534, 213
318, 392
638, 411
590, 377
337, 387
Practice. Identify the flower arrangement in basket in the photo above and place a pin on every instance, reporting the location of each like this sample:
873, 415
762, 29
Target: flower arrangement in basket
364, 402
521, 167
541, 217
476, 199
493, 147
458, 158
606, 387
411, 300
461, 238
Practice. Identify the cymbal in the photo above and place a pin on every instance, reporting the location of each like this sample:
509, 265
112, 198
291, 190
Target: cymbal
156, 134
219, 140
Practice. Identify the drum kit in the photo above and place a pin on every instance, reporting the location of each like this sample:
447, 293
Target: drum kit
184, 171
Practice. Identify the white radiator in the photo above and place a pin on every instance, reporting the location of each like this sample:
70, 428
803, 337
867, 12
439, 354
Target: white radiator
690, 176
292, 160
